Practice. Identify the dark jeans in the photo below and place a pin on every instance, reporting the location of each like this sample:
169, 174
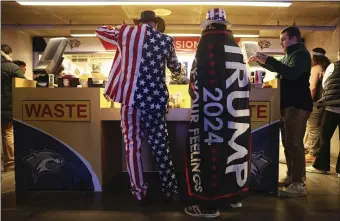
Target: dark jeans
330, 121
293, 130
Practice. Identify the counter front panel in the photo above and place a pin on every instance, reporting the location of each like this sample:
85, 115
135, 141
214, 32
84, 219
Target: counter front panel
70, 139
57, 139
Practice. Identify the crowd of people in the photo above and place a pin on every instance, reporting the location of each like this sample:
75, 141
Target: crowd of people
310, 109
308, 100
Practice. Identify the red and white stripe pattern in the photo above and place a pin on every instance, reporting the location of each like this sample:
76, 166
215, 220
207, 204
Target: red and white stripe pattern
137, 81
132, 133
125, 69
217, 14
132, 120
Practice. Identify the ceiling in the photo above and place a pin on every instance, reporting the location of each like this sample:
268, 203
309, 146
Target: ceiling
302, 13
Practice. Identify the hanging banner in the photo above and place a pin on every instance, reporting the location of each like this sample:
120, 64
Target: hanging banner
94, 44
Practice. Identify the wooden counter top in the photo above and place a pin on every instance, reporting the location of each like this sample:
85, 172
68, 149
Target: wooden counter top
174, 114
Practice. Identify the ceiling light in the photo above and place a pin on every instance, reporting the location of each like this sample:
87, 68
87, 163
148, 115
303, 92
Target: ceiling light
226, 3
246, 36
162, 12
83, 35
236, 35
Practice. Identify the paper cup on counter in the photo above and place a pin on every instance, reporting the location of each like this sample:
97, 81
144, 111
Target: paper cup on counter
83, 82
66, 82
259, 75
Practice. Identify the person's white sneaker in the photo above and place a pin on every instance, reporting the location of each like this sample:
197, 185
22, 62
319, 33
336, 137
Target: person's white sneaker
285, 181
198, 211
311, 169
236, 205
294, 190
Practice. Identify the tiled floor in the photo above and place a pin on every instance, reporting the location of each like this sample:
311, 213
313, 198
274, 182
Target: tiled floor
322, 204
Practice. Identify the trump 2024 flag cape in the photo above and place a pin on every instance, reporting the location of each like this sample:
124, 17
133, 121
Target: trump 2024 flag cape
218, 150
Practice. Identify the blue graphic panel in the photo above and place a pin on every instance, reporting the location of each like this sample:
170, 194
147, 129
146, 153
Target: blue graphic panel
265, 159
44, 163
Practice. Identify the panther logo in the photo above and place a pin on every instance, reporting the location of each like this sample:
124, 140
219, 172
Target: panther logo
264, 44
44, 161
258, 164
74, 43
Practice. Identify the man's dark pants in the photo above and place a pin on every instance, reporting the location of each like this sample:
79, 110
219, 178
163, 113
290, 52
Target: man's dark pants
292, 131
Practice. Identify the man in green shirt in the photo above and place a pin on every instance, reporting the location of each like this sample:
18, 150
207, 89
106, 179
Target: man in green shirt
296, 104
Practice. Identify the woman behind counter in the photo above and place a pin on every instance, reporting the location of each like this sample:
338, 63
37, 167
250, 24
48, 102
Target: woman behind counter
182, 78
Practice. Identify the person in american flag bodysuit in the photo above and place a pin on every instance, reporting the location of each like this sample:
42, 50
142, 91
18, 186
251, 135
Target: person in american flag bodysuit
137, 81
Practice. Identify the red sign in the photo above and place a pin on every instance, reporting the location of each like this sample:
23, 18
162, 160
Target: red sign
182, 44
40, 110
186, 44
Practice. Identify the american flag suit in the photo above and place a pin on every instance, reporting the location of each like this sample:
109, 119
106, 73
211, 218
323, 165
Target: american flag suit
137, 81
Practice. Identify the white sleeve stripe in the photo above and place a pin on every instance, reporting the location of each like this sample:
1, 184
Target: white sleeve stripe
106, 39
232, 49
235, 65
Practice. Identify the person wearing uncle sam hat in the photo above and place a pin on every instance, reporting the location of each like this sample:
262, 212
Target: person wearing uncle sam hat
137, 81
216, 175
215, 16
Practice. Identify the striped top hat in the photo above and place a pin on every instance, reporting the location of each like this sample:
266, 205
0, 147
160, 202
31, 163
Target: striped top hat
217, 16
